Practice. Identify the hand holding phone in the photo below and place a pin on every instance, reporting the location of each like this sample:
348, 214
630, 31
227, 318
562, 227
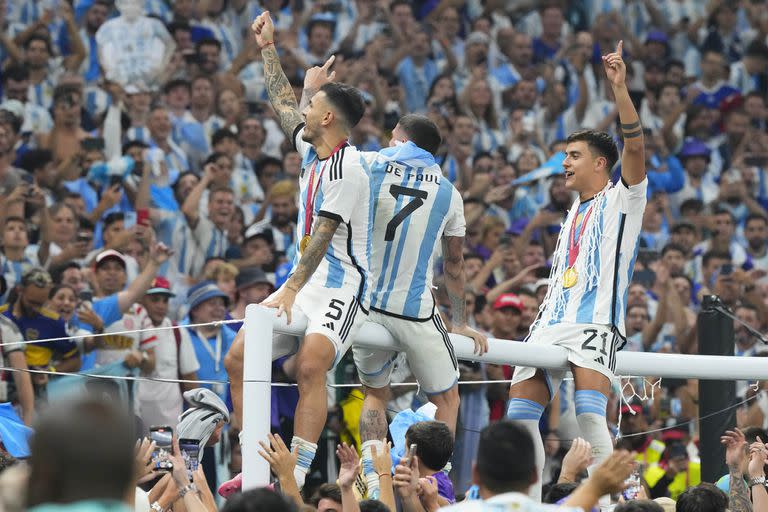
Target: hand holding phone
190, 452
163, 439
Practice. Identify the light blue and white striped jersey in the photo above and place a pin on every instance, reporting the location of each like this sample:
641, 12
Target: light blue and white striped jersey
187, 259
415, 207
620, 220
344, 195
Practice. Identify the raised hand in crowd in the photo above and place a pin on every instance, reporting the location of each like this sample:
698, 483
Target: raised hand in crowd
282, 461
576, 460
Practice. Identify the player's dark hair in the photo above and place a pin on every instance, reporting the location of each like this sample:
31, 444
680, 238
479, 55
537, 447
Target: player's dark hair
711, 255
672, 247
500, 443
113, 217
259, 500
133, 144
702, 498
395, 3
215, 156
559, 491
434, 440
35, 159
599, 144
372, 506
329, 491
222, 134
639, 506
17, 73
64, 92
755, 216
39, 37
207, 41
422, 131
346, 100
665, 85
81, 450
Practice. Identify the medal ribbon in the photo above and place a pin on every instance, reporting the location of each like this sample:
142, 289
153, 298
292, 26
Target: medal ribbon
574, 243
309, 206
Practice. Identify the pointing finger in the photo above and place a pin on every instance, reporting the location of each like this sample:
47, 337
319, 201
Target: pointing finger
620, 47
329, 62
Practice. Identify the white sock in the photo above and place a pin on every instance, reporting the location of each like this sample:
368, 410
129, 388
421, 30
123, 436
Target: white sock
528, 413
590, 414
371, 477
304, 461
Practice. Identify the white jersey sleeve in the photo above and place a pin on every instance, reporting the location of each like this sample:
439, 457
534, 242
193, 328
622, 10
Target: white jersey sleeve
455, 224
632, 198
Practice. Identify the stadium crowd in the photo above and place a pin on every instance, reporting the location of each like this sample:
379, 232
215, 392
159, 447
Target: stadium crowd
146, 183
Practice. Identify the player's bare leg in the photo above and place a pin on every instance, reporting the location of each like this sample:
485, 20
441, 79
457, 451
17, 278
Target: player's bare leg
447, 404
527, 400
233, 362
315, 358
373, 431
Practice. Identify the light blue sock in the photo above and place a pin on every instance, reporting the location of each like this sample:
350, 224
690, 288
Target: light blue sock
590, 413
528, 413
304, 460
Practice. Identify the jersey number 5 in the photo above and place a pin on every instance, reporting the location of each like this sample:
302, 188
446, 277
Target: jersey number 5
418, 199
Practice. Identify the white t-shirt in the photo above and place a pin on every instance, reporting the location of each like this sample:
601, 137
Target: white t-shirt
161, 403
119, 345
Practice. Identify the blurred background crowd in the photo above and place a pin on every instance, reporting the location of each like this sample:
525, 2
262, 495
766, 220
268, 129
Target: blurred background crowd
145, 183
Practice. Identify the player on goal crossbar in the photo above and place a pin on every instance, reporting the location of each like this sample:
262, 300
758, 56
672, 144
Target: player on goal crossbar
591, 270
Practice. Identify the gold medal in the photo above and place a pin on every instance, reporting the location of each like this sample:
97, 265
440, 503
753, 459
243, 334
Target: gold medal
304, 243
570, 277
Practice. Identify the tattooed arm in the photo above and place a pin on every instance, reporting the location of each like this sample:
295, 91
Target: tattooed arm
453, 267
276, 83
738, 497
455, 285
322, 234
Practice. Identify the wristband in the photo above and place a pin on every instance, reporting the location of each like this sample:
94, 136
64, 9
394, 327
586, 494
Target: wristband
189, 487
758, 480
267, 44
381, 475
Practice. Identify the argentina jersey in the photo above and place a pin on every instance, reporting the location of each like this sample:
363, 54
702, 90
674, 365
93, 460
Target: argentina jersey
415, 207
620, 219
343, 194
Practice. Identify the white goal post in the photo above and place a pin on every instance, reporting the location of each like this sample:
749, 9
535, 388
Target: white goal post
260, 323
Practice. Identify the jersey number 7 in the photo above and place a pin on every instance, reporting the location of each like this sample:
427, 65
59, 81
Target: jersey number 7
418, 200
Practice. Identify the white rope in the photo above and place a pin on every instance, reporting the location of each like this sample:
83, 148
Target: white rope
132, 331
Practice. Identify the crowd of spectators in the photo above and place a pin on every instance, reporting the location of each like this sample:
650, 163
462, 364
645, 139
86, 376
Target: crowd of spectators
145, 183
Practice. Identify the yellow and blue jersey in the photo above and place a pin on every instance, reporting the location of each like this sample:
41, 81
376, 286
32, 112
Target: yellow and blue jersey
45, 325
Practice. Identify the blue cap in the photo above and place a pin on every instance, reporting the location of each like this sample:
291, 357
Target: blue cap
694, 147
204, 291
657, 36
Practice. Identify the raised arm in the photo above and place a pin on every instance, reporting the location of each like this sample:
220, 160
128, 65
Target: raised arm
633, 156
277, 85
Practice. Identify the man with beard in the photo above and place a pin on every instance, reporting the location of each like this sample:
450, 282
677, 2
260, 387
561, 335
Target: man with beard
756, 233
16, 84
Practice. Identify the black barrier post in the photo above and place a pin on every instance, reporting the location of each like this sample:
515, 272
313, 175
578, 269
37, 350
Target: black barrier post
716, 338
